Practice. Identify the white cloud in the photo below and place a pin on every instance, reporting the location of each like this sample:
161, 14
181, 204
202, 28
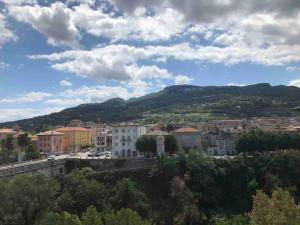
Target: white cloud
27, 98
65, 83
13, 114
295, 83
65, 102
293, 69
182, 79
3, 65
19, 2
112, 62
6, 35
163, 25
235, 84
55, 22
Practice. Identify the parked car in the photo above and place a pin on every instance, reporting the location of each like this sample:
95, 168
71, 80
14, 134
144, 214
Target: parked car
51, 157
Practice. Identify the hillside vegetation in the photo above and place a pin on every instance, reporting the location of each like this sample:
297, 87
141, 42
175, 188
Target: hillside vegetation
195, 103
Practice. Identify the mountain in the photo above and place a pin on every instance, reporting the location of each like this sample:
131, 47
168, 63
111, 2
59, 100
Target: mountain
194, 103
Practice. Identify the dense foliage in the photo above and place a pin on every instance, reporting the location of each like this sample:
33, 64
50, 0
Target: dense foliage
146, 144
193, 103
188, 189
11, 148
260, 141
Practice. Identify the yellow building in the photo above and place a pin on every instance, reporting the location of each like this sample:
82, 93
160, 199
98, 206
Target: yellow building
75, 138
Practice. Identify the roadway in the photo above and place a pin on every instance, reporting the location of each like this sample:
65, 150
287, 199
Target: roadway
80, 155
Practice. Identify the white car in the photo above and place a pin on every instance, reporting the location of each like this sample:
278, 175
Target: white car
51, 157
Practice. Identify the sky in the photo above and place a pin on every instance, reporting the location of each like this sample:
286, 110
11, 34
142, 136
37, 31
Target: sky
59, 54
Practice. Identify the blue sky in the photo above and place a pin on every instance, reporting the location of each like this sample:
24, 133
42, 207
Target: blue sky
58, 54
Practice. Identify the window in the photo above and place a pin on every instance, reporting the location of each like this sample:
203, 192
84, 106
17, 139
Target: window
123, 130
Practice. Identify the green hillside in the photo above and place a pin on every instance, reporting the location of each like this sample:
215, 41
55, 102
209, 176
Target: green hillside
195, 103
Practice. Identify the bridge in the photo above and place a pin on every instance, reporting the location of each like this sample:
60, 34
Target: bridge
46, 167
62, 165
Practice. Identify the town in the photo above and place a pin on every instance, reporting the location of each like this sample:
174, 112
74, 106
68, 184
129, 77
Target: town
105, 141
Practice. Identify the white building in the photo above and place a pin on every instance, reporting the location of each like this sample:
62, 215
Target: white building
124, 138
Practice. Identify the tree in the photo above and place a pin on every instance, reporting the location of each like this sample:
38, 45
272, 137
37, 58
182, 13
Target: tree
61, 219
81, 190
235, 220
183, 204
91, 217
146, 144
280, 209
7, 146
31, 152
26, 199
124, 217
127, 195
170, 144
23, 141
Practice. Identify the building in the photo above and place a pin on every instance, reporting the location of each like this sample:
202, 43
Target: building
188, 138
50, 143
76, 123
124, 138
102, 139
75, 138
223, 145
160, 141
4, 132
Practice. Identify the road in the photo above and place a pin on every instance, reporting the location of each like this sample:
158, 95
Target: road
80, 155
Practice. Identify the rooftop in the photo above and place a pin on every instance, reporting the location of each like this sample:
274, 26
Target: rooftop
62, 129
186, 130
50, 132
7, 131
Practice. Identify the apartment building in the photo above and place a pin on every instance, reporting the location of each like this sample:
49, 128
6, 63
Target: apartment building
50, 143
75, 138
101, 139
124, 138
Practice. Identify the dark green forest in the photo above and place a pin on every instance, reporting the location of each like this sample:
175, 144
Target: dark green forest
190, 189
195, 103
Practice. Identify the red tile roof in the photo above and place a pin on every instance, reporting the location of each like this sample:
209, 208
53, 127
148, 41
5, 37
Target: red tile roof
7, 131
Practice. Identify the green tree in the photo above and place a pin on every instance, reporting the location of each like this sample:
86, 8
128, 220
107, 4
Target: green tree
92, 217
127, 195
31, 152
146, 144
124, 217
23, 141
279, 209
183, 204
235, 220
7, 148
26, 199
81, 190
170, 144
61, 219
